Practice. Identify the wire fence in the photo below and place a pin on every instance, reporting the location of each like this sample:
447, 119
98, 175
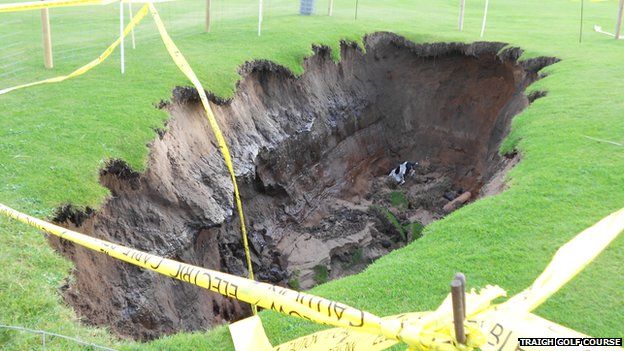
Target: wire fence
81, 33
48, 336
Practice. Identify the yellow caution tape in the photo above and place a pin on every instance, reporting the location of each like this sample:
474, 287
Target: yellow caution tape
430, 331
501, 330
184, 66
343, 339
568, 261
267, 296
501, 324
37, 5
252, 335
181, 62
421, 331
133, 23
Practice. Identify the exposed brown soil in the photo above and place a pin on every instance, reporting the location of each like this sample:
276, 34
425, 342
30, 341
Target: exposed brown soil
312, 154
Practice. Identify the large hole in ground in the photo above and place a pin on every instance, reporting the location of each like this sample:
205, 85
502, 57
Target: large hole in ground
312, 154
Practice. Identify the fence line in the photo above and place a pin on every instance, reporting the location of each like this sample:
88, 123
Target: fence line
43, 334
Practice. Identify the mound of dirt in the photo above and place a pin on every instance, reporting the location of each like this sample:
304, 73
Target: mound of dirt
312, 154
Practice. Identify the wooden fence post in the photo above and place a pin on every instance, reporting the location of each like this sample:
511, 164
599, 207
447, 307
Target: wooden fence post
47, 39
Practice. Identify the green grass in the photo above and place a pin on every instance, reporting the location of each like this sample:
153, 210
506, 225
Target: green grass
356, 258
54, 138
398, 200
416, 229
395, 223
410, 231
294, 282
321, 274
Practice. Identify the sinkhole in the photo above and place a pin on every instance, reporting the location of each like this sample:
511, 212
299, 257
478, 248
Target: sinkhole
312, 154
